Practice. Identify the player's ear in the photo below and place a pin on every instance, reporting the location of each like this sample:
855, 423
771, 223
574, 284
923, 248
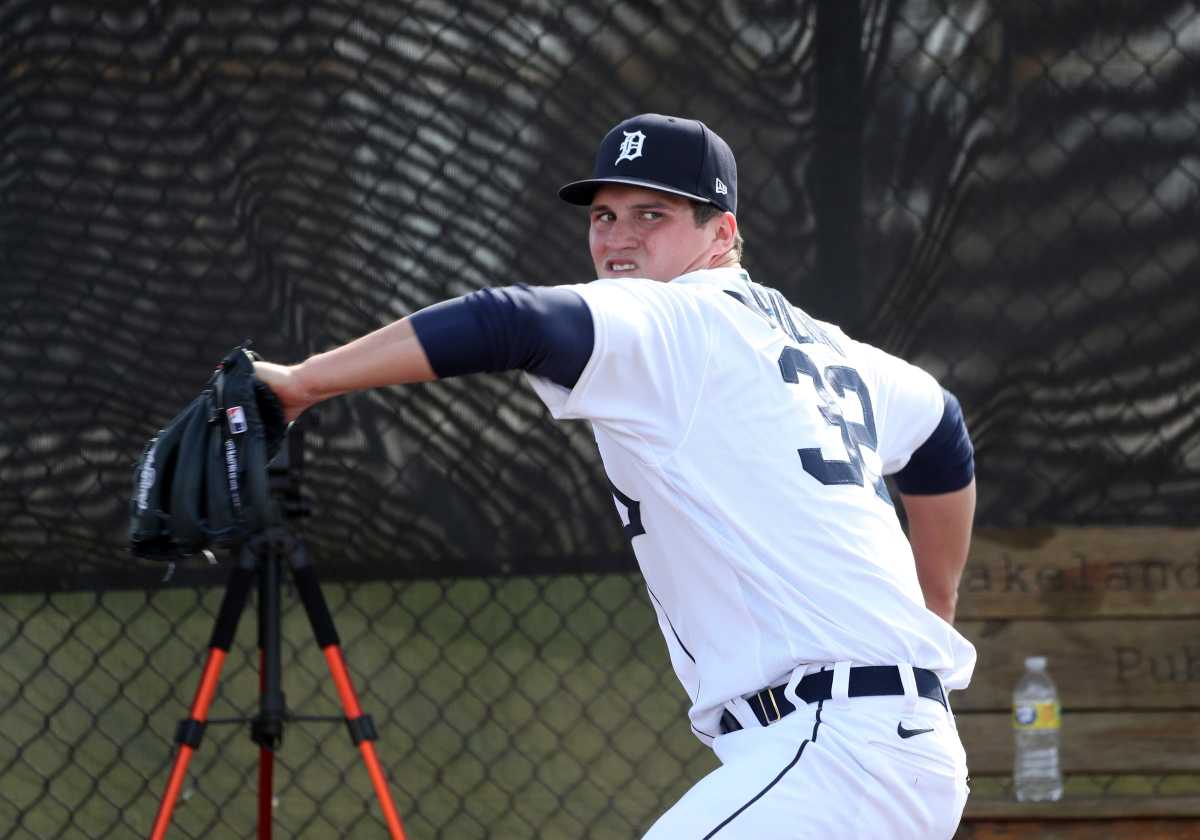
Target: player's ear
732, 221
724, 233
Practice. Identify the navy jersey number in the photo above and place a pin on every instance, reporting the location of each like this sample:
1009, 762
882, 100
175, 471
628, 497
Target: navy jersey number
792, 363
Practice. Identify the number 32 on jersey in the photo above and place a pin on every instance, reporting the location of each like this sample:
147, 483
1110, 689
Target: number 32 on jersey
831, 384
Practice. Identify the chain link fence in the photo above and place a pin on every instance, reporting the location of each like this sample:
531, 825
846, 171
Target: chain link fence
1004, 193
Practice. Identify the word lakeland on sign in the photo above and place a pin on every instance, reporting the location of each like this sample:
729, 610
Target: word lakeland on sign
1081, 572
1148, 574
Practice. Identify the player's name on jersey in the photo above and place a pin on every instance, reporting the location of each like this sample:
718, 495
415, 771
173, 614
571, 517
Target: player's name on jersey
1081, 572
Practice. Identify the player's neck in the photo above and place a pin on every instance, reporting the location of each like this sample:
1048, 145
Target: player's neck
727, 260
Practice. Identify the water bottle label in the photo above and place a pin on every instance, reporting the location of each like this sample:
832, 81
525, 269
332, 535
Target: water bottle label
1037, 716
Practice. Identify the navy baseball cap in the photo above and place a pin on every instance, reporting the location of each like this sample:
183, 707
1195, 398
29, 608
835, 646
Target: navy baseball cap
670, 154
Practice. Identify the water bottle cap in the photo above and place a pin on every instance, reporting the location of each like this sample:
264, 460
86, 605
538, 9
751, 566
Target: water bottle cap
1035, 663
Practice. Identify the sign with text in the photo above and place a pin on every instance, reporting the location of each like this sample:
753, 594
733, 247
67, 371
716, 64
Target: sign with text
1082, 573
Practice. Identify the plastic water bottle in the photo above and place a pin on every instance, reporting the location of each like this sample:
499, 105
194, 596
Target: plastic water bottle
1037, 719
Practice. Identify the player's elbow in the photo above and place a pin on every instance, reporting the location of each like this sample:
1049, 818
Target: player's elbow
943, 606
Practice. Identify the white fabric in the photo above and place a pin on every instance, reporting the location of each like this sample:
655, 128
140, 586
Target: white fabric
855, 779
839, 688
754, 566
789, 690
740, 708
909, 680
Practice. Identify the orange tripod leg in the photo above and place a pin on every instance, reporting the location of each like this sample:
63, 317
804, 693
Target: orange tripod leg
192, 730
362, 729
362, 736
198, 717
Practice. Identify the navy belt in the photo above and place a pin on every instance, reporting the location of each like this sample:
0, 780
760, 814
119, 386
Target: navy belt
770, 705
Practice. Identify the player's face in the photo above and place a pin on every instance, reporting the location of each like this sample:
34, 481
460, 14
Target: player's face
637, 232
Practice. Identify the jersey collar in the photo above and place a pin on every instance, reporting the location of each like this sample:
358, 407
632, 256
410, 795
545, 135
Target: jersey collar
728, 279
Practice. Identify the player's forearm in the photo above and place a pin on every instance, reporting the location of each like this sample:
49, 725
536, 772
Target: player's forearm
391, 355
939, 528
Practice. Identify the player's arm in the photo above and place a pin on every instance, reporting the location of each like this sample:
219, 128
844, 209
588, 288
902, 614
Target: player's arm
937, 487
939, 528
545, 331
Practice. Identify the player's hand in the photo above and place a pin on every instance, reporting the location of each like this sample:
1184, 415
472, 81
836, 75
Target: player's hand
286, 384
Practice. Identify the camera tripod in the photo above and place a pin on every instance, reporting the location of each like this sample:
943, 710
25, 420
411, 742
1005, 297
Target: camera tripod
261, 559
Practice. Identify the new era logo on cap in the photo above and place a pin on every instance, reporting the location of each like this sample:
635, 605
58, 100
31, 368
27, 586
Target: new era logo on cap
671, 154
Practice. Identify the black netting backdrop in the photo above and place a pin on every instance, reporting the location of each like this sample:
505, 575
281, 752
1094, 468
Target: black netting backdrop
1005, 193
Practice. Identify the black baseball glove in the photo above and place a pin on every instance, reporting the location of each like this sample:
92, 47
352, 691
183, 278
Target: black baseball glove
202, 481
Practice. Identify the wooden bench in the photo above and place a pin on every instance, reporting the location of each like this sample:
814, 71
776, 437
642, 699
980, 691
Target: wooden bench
1117, 613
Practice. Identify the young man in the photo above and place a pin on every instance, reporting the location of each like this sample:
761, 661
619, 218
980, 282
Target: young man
745, 444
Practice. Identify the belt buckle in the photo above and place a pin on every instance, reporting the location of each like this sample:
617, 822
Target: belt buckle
767, 715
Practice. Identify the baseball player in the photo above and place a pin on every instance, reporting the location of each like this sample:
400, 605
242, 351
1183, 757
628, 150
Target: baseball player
745, 443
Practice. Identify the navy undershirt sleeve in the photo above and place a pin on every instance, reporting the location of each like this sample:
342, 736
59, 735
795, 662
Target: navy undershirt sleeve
945, 462
545, 331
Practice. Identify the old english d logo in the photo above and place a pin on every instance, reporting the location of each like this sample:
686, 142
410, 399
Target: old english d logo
631, 146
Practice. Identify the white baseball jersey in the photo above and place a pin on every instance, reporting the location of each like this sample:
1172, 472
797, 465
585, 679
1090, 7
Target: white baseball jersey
745, 443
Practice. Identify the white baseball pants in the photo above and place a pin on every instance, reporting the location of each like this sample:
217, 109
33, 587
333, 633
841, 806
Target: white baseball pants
830, 770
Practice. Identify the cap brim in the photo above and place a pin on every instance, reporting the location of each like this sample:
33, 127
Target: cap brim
582, 192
